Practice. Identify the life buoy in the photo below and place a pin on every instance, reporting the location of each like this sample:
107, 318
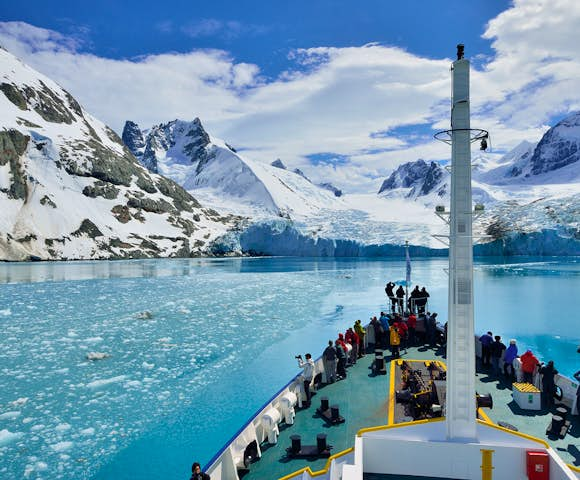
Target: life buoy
558, 394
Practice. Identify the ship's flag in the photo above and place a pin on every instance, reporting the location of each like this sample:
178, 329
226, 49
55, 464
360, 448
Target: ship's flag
408, 268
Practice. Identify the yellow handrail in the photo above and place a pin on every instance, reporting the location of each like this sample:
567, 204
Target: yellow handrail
483, 415
321, 471
397, 425
519, 434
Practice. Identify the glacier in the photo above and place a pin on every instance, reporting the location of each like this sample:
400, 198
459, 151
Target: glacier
282, 238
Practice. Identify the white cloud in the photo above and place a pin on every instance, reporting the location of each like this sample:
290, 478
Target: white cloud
332, 99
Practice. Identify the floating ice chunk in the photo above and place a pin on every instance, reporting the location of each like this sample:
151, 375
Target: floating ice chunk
6, 312
19, 402
148, 366
133, 383
94, 339
62, 446
41, 466
62, 427
7, 437
27, 420
88, 431
97, 355
106, 381
9, 415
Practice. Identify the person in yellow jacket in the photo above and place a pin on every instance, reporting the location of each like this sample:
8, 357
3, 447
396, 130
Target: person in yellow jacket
360, 331
395, 341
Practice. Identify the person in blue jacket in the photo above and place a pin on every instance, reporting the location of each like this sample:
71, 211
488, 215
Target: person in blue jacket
511, 354
486, 340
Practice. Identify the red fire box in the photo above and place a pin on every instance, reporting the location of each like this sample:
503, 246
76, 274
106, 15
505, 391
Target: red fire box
538, 465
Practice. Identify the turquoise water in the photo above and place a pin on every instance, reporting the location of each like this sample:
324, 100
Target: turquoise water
220, 340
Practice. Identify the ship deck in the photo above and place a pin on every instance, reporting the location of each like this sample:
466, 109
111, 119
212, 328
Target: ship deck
363, 399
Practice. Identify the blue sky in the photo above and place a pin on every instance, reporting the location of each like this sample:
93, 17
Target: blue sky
343, 90
262, 32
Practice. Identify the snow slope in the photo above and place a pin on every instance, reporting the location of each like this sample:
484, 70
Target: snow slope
69, 188
219, 176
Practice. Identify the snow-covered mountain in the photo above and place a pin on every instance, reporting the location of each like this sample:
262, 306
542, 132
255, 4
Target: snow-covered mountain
558, 147
416, 179
69, 188
403, 209
222, 177
516, 163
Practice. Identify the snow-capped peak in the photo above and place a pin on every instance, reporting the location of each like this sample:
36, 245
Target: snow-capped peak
415, 179
560, 146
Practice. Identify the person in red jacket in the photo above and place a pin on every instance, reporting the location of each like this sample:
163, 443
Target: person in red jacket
403, 330
352, 338
529, 364
412, 325
340, 341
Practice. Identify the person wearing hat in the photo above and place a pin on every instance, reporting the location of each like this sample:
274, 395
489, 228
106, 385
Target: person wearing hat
511, 354
360, 331
197, 474
529, 364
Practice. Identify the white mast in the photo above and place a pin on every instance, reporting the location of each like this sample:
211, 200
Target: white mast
461, 406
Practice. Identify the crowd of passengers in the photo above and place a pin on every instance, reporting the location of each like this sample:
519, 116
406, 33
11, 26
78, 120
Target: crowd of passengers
392, 330
543, 375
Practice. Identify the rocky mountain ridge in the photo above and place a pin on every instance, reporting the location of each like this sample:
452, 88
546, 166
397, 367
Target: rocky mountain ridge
210, 168
70, 188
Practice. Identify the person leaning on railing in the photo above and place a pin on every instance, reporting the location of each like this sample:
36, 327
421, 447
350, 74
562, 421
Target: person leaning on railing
529, 364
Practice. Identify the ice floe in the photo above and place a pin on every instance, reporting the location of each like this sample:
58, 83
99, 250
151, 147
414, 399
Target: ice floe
7, 437
97, 355
106, 381
62, 446
9, 415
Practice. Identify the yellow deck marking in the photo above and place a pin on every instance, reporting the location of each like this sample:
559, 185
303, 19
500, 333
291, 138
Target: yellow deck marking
391, 416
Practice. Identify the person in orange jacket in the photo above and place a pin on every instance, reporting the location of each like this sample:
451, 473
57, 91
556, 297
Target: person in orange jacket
529, 364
